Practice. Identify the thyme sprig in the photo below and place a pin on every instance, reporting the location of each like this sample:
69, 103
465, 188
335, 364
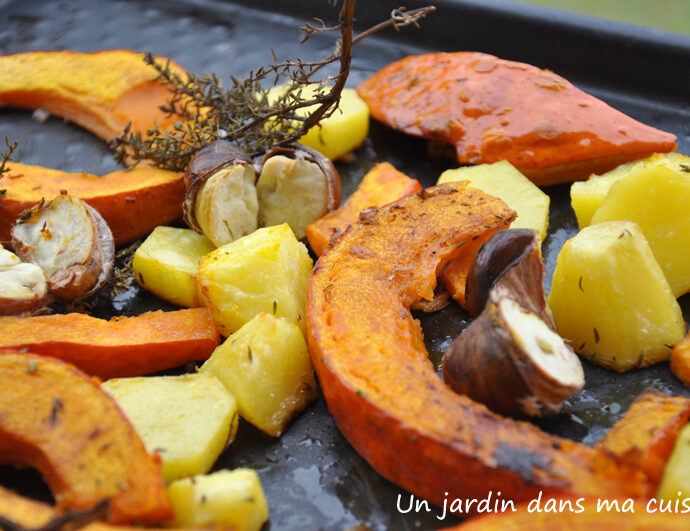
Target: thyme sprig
5, 156
245, 112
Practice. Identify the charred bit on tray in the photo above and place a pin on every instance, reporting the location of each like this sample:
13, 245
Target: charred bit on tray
511, 358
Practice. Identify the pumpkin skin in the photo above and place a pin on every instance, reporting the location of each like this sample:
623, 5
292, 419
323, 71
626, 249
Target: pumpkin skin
56, 419
382, 390
492, 109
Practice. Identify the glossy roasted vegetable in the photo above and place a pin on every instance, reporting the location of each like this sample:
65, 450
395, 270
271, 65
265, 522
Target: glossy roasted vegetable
123, 346
227, 497
100, 91
23, 286
266, 367
167, 262
382, 390
342, 132
189, 419
657, 199
501, 179
132, 202
70, 241
610, 299
383, 184
56, 419
493, 109
586, 196
264, 272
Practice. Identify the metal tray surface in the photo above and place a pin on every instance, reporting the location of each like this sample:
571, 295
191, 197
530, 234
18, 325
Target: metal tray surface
313, 479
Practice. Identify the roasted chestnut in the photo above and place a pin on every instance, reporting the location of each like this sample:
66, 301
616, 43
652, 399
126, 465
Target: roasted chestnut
225, 200
510, 358
70, 242
220, 193
23, 286
297, 186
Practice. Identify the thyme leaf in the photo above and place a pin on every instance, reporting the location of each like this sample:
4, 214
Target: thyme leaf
205, 110
5, 156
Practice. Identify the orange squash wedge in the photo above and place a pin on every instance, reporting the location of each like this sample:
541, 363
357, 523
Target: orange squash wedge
492, 109
100, 91
119, 347
55, 418
647, 433
132, 202
382, 390
381, 185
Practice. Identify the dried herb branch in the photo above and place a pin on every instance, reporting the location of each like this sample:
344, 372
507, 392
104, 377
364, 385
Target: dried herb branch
245, 112
7, 155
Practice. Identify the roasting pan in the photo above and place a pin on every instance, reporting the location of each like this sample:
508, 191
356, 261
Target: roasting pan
313, 479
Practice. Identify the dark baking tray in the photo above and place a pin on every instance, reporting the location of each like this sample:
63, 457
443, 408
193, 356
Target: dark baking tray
312, 477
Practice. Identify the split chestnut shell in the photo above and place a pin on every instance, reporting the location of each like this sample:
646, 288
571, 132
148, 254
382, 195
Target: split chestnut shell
70, 241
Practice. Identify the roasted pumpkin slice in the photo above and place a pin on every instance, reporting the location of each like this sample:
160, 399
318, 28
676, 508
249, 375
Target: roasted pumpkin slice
381, 388
381, 185
132, 202
492, 109
56, 419
100, 91
647, 433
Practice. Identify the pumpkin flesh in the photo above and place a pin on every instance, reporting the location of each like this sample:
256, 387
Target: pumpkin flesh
382, 390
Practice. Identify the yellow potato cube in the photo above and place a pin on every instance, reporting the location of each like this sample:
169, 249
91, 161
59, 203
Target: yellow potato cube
227, 497
266, 366
610, 298
189, 420
657, 199
503, 180
266, 271
587, 196
343, 131
167, 262
675, 483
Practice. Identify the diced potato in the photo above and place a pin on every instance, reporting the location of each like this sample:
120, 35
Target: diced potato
503, 180
675, 483
188, 419
167, 262
266, 366
610, 298
227, 497
587, 196
657, 199
343, 131
265, 271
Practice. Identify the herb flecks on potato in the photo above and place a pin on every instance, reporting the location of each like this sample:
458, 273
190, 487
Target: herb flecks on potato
611, 300
188, 420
